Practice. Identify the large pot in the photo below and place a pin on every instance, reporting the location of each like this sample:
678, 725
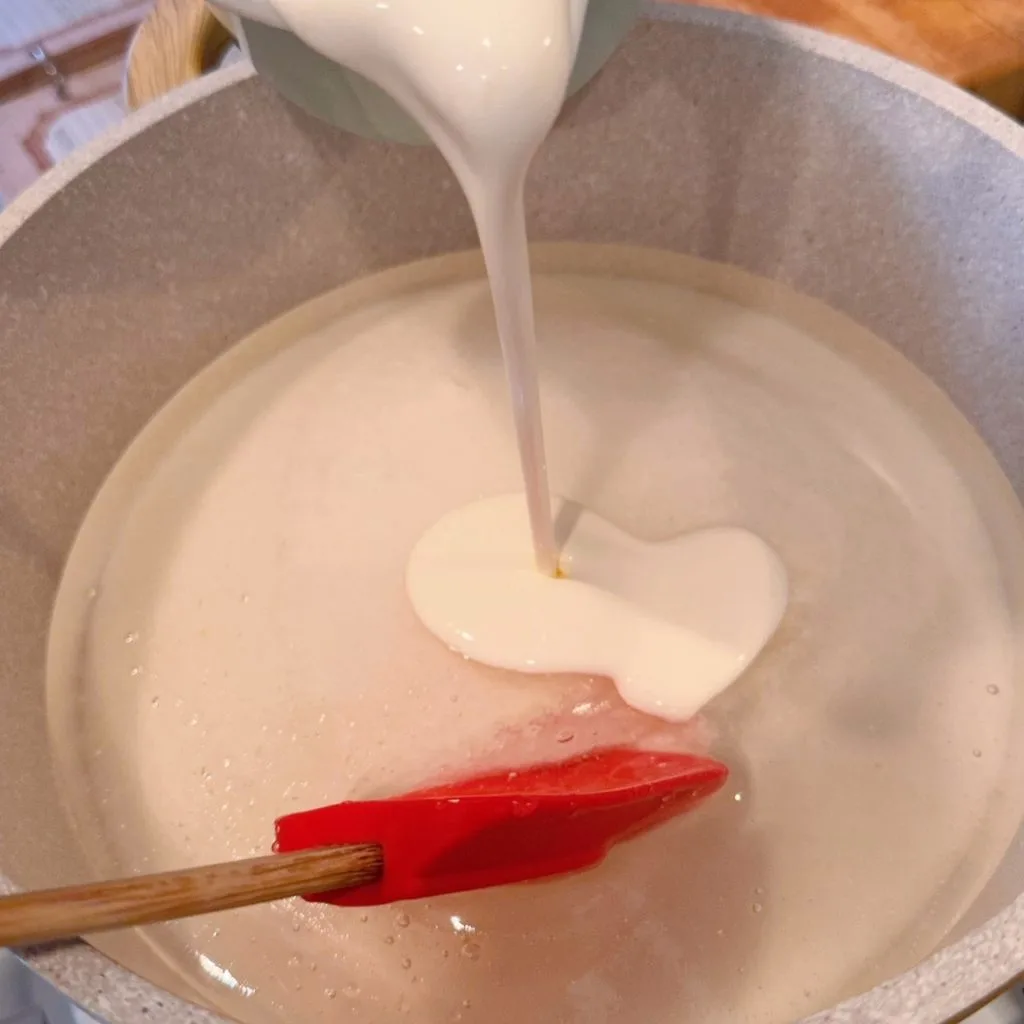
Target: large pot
888, 194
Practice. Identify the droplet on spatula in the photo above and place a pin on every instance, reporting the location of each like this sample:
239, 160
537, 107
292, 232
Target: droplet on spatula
509, 826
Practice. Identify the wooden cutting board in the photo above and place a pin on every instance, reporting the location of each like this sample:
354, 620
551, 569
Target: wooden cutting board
979, 44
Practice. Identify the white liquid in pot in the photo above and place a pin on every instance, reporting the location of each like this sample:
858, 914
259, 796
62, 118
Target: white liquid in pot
233, 640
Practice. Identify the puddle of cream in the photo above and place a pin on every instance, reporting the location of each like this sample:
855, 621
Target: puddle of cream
672, 623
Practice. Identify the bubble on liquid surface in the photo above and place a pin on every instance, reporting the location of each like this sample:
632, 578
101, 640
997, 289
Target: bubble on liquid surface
471, 950
402, 920
523, 808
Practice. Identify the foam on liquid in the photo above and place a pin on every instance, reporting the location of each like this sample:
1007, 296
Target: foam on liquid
233, 640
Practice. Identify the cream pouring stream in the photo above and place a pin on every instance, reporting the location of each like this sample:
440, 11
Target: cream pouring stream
486, 80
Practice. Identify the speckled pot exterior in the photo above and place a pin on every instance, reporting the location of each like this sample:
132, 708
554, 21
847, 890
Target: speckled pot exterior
884, 192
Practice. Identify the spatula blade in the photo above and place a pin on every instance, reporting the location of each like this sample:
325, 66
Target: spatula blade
508, 826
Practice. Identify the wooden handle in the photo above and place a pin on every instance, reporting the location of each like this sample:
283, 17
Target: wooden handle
178, 41
34, 917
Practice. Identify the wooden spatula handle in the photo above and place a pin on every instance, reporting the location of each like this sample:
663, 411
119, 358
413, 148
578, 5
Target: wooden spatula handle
30, 918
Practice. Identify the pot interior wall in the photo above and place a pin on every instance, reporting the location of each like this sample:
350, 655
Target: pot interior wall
725, 144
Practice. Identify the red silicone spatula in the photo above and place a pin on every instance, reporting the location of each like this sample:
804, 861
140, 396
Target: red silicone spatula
509, 826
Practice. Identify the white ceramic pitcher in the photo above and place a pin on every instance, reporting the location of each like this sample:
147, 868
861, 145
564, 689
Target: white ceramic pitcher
340, 96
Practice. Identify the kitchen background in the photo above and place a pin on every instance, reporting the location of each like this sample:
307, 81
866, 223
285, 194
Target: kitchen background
61, 73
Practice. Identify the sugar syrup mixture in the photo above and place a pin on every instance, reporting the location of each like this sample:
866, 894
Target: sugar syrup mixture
233, 641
